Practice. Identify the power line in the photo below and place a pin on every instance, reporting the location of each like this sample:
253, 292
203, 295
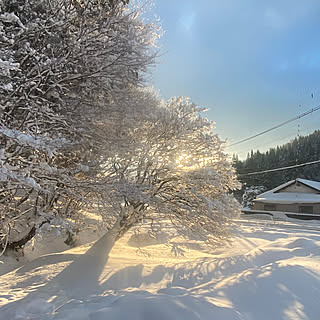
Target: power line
256, 147
266, 144
279, 169
276, 127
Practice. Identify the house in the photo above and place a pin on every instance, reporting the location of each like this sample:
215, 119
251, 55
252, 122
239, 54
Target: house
297, 198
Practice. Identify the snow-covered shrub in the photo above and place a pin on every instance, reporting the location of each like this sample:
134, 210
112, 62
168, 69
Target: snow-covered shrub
250, 193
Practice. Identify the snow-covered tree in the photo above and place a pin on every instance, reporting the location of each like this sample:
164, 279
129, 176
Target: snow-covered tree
170, 167
78, 130
63, 63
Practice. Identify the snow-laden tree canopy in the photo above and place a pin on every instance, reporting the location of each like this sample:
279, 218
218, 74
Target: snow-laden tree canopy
169, 166
62, 64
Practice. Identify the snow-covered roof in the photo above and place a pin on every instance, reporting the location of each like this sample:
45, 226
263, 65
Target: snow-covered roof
288, 197
310, 183
274, 196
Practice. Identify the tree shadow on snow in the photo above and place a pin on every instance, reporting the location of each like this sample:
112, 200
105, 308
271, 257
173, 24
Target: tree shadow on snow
80, 278
45, 260
273, 292
257, 287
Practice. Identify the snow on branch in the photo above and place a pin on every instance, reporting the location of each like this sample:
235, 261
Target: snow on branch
7, 66
11, 18
37, 142
8, 175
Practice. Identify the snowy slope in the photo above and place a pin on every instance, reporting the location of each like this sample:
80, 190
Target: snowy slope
271, 271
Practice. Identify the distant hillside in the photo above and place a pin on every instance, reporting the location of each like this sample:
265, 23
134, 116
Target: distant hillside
300, 150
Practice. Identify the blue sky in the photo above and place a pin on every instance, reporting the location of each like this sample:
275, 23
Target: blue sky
252, 63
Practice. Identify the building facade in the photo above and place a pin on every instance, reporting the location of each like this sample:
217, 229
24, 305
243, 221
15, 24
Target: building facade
297, 196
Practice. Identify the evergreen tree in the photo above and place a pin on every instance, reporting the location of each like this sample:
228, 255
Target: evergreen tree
300, 150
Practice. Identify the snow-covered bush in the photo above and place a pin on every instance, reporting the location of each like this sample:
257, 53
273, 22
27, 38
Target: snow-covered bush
250, 193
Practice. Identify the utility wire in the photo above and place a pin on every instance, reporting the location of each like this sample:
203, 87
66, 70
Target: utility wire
277, 126
279, 169
266, 144
245, 151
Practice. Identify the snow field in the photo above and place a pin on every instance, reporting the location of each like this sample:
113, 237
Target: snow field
271, 271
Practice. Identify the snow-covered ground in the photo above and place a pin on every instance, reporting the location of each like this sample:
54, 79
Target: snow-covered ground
271, 271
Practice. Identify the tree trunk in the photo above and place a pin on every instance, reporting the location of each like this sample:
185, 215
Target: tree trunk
13, 245
20, 243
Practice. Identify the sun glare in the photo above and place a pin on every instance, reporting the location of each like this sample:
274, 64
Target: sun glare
183, 161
